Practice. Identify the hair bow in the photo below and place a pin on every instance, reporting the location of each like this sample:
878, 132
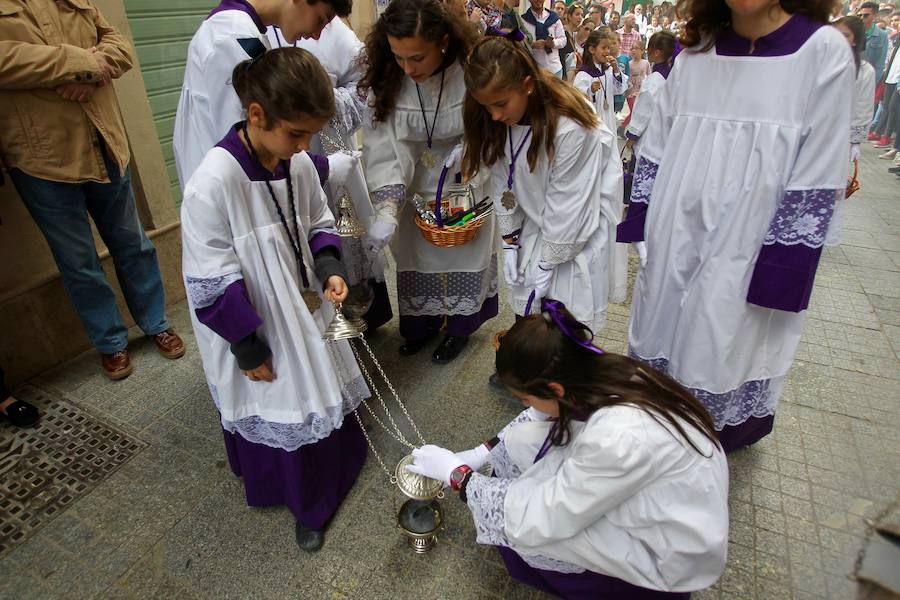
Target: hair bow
515, 35
554, 309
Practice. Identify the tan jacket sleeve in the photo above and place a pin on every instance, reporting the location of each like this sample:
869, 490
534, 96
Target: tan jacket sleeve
25, 66
117, 50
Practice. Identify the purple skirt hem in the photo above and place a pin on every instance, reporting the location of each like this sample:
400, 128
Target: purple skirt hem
735, 437
311, 481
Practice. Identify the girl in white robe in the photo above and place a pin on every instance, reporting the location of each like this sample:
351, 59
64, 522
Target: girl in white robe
259, 250
853, 29
600, 78
733, 193
338, 49
610, 485
556, 180
659, 51
415, 88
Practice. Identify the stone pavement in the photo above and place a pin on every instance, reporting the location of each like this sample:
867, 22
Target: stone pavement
172, 522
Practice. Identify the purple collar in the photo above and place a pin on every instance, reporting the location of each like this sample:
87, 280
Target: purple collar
592, 71
243, 6
254, 171
663, 69
785, 40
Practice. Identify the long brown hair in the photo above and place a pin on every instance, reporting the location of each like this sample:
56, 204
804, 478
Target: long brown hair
706, 19
502, 64
428, 19
286, 82
535, 353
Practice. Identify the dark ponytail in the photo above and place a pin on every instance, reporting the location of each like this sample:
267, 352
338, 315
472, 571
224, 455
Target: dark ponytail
664, 41
287, 83
535, 353
858, 28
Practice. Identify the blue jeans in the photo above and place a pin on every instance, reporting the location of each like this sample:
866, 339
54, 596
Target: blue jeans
61, 211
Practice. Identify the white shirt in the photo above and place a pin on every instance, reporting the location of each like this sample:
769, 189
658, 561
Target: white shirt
548, 60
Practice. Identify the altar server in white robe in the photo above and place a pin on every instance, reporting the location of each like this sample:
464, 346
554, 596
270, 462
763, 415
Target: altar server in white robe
232, 32
611, 484
260, 256
660, 49
853, 29
556, 180
414, 84
734, 193
338, 49
600, 78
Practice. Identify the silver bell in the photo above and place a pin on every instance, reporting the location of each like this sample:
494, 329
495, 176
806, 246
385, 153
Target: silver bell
340, 328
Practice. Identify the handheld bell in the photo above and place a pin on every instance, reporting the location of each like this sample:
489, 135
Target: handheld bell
340, 328
347, 224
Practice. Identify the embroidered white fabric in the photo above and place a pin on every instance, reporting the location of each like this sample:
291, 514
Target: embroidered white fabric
858, 133
290, 436
802, 218
454, 293
756, 398
350, 110
642, 184
503, 464
556, 254
390, 193
485, 497
508, 222
203, 291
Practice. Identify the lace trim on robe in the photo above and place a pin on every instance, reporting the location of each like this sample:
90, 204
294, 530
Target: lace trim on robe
858, 133
556, 254
802, 218
644, 177
508, 223
454, 293
203, 291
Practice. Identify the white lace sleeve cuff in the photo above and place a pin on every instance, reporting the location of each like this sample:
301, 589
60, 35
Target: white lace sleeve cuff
203, 291
350, 110
556, 254
509, 223
503, 464
485, 497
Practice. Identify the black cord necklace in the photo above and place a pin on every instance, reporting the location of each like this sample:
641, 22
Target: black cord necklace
293, 236
427, 159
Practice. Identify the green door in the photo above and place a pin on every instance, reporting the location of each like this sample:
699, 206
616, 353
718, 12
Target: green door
162, 30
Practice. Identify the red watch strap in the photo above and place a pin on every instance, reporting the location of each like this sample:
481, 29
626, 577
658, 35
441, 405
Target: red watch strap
457, 476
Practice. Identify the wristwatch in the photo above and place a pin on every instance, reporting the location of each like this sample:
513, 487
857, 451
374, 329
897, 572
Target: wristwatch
457, 476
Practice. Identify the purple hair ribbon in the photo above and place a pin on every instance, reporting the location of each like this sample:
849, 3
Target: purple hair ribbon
555, 308
516, 35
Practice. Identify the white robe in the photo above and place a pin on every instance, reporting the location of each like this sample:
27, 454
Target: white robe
231, 231
567, 211
860, 122
645, 107
208, 105
626, 497
735, 149
337, 49
604, 98
391, 153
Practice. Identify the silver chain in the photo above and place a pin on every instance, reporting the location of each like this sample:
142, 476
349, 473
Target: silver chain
362, 428
399, 434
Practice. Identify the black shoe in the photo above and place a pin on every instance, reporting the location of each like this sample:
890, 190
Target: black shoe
21, 414
308, 539
449, 348
411, 347
894, 169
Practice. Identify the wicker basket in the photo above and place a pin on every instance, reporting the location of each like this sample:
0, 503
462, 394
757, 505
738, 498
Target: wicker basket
853, 182
448, 235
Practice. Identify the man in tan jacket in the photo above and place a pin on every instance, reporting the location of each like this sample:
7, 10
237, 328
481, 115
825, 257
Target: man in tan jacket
63, 142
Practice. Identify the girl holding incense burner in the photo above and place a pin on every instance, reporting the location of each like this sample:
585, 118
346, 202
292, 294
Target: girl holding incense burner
555, 178
611, 483
414, 83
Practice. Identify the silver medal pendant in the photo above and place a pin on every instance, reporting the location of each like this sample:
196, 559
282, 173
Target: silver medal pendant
605, 104
508, 200
427, 159
312, 300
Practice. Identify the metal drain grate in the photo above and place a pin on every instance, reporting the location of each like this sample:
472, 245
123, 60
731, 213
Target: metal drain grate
45, 468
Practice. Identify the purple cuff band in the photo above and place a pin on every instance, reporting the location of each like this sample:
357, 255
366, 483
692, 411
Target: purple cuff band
321, 164
231, 315
631, 136
631, 229
325, 239
783, 277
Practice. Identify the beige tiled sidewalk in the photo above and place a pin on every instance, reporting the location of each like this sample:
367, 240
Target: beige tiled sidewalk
172, 523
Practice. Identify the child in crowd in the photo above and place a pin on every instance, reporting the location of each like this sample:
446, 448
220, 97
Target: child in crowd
259, 251
661, 49
611, 484
414, 82
234, 31
733, 194
555, 176
600, 78
639, 68
624, 61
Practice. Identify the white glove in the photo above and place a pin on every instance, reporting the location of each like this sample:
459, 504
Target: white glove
641, 249
341, 165
434, 462
854, 152
538, 282
454, 159
511, 264
475, 458
380, 232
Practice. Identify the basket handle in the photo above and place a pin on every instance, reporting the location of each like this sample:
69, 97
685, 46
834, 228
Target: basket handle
439, 220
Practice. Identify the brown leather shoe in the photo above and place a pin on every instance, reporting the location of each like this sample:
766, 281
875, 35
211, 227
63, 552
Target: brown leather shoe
169, 344
117, 365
